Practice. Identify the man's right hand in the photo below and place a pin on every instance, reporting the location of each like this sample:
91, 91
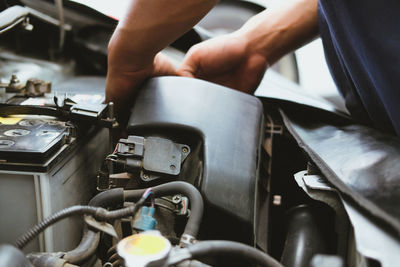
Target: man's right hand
239, 60
228, 60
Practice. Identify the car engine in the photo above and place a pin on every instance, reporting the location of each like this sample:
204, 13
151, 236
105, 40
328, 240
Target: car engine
201, 175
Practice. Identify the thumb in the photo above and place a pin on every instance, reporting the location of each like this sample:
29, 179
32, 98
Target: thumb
163, 66
190, 67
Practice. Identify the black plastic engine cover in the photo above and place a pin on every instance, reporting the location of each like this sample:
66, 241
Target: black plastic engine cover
230, 124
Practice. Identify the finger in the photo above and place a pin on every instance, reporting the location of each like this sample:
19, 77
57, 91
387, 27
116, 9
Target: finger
185, 73
190, 66
163, 66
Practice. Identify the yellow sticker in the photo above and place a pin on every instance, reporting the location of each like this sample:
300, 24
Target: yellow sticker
11, 120
143, 244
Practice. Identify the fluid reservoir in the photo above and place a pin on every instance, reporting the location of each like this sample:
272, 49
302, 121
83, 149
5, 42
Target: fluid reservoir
149, 248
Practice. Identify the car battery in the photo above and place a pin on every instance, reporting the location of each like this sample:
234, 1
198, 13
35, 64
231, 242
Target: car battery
45, 167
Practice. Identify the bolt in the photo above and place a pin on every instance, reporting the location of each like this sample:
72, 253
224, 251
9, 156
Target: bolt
145, 176
172, 167
27, 25
176, 199
14, 79
277, 200
185, 150
111, 110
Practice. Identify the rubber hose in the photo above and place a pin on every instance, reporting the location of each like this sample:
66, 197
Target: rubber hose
91, 239
306, 236
196, 201
86, 248
109, 198
232, 249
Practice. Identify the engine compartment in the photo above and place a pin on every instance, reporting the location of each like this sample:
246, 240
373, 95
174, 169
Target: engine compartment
204, 175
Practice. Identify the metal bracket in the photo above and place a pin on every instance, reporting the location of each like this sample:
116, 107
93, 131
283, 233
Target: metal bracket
101, 226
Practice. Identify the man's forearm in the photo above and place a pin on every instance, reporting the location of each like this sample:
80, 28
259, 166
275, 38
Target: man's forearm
275, 33
151, 25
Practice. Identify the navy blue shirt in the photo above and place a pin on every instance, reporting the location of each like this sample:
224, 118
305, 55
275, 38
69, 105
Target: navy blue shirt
362, 47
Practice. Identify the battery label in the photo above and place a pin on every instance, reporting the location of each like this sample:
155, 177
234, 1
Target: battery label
10, 120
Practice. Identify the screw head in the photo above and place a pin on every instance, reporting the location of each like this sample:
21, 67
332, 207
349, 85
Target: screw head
176, 199
185, 150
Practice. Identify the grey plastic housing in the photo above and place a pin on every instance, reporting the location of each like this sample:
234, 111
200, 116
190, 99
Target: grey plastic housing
230, 124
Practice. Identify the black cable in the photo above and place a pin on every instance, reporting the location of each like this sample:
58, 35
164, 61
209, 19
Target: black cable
196, 201
38, 228
98, 213
231, 249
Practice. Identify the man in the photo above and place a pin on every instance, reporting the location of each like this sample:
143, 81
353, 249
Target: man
360, 39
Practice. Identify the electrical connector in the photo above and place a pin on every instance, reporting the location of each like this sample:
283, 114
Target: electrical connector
145, 221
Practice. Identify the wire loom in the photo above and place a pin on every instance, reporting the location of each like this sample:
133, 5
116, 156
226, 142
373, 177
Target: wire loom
96, 212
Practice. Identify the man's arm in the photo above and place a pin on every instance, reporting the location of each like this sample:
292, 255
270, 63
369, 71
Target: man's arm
148, 27
281, 31
239, 60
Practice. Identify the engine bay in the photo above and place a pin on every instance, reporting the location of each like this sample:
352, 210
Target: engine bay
201, 175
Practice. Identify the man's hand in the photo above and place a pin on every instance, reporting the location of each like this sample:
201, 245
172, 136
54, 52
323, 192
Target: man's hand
147, 28
239, 60
227, 60
124, 81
